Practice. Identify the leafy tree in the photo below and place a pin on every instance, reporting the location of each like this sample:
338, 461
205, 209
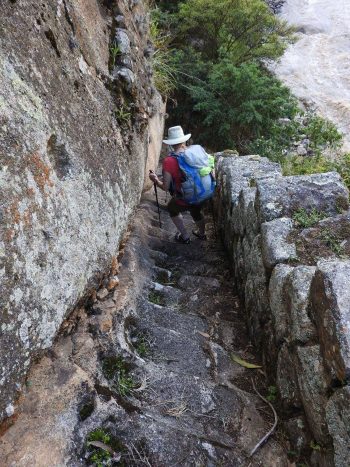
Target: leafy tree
239, 104
241, 30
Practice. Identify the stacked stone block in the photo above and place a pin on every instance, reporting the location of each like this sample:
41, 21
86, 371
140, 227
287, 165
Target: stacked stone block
298, 314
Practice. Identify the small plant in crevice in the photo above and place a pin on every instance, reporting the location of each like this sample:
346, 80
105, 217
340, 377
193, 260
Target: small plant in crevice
114, 51
332, 241
142, 343
272, 394
156, 298
102, 448
123, 114
315, 446
305, 219
116, 370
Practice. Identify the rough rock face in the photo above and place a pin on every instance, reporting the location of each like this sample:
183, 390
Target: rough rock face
75, 124
295, 286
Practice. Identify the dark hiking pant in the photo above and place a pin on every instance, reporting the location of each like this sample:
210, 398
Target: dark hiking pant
194, 209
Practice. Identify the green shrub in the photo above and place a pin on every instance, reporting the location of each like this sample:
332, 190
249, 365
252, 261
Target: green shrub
240, 104
275, 143
239, 30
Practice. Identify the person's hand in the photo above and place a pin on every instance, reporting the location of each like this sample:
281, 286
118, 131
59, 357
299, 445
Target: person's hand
153, 176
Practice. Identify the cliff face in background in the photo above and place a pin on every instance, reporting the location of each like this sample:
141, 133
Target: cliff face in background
322, 47
76, 132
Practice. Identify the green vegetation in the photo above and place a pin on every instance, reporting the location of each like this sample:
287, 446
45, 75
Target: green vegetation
230, 118
315, 446
114, 51
239, 30
123, 114
116, 370
99, 456
156, 298
143, 344
332, 242
163, 64
321, 134
104, 449
298, 165
272, 394
210, 58
305, 219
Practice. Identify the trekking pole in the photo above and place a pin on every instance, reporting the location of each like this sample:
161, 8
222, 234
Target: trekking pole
156, 193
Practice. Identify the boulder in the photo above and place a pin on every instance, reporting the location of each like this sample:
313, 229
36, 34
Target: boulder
313, 390
245, 201
121, 38
281, 197
276, 248
287, 380
331, 311
277, 302
338, 420
298, 434
297, 294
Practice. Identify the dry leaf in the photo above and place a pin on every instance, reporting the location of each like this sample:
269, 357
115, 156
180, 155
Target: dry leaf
99, 444
204, 334
244, 363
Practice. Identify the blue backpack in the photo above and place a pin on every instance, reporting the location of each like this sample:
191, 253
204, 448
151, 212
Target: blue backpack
197, 184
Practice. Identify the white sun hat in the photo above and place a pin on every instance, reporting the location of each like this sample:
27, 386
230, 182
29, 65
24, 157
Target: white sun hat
176, 136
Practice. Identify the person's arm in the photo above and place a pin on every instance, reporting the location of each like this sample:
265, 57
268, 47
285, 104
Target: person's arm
163, 185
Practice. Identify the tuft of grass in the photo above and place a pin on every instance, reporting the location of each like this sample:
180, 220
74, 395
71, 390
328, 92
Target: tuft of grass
123, 115
116, 371
164, 67
143, 344
114, 51
305, 219
156, 298
332, 241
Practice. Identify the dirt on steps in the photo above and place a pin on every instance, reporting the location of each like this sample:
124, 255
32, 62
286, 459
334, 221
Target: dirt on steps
143, 375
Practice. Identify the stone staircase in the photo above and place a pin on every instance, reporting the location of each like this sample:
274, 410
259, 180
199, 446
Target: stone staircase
148, 365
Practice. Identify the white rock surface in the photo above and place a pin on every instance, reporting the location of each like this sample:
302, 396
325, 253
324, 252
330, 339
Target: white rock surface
317, 67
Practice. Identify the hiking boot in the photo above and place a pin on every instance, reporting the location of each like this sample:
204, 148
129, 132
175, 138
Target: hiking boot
179, 238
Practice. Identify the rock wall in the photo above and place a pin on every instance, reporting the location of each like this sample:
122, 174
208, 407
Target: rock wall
295, 283
77, 110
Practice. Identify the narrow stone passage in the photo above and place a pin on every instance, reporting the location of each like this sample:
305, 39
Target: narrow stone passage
149, 366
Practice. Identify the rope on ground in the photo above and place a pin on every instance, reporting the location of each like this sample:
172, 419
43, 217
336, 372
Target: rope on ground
269, 433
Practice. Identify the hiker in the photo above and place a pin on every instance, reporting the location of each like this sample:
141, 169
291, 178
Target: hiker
188, 176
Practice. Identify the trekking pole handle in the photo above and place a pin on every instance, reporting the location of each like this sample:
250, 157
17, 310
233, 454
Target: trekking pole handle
153, 173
